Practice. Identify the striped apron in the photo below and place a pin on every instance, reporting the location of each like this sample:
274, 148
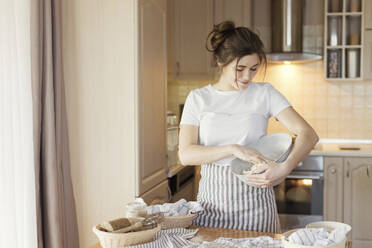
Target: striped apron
230, 203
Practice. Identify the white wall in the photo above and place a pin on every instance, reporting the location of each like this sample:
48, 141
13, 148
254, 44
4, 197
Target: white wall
99, 70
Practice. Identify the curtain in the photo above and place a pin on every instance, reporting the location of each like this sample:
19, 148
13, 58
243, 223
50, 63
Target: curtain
55, 205
37, 206
17, 178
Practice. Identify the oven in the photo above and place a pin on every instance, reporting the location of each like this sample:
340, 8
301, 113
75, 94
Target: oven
299, 197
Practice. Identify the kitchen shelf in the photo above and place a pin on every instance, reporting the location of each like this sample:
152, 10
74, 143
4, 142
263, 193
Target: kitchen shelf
334, 14
343, 46
353, 46
353, 13
334, 47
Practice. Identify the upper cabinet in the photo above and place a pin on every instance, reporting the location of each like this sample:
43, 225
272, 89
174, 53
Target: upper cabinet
152, 79
238, 11
368, 14
189, 23
344, 36
367, 39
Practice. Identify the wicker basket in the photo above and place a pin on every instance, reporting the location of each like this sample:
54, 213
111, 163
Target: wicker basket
116, 240
327, 225
178, 221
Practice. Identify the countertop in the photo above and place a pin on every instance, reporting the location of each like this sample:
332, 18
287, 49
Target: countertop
210, 234
349, 148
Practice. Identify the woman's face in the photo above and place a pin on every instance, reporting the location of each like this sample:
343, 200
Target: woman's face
238, 76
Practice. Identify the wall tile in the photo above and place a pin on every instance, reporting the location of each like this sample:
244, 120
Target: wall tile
359, 89
333, 89
346, 89
358, 102
369, 102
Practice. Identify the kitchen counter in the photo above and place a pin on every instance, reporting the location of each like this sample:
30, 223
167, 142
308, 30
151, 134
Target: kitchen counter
344, 148
210, 234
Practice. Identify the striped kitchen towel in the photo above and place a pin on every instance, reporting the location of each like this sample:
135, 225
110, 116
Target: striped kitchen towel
317, 236
261, 242
170, 238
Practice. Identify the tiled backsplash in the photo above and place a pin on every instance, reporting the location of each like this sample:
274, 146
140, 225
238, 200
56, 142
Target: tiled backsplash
341, 110
178, 91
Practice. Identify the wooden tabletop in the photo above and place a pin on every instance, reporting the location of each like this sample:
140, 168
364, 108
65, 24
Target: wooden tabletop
211, 233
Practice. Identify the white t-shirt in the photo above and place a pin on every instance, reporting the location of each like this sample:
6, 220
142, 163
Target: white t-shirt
232, 117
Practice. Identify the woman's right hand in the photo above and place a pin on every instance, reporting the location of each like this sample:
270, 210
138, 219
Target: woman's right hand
248, 154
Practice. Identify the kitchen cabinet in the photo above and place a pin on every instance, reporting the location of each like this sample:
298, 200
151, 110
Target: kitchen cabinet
368, 51
191, 22
333, 189
238, 11
344, 36
152, 83
347, 196
358, 200
157, 195
367, 39
368, 14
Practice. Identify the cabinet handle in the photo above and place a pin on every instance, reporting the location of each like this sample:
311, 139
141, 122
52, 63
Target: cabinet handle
348, 169
368, 171
169, 194
178, 68
333, 170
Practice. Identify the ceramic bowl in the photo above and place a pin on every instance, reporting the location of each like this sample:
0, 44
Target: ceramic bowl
329, 225
273, 146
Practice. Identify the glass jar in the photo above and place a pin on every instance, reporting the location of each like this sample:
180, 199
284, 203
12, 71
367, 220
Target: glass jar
136, 209
171, 119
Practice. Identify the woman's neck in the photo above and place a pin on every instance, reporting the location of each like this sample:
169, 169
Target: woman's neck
224, 85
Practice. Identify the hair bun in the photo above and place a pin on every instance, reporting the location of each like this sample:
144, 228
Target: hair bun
224, 26
218, 35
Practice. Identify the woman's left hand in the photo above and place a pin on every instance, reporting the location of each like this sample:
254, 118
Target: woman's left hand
269, 173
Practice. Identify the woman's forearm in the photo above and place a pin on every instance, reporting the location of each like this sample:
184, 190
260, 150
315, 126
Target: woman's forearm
197, 154
304, 143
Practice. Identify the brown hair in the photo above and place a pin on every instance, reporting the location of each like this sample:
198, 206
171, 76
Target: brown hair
228, 42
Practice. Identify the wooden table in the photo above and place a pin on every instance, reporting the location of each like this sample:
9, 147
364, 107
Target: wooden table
210, 234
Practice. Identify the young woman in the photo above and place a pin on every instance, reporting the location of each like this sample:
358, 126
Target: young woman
220, 121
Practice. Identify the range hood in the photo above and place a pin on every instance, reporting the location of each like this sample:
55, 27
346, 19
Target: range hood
286, 36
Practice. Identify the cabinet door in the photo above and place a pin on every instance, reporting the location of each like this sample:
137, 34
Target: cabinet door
358, 200
333, 189
367, 14
152, 78
158, 194
193, 22
239, 11
367, 54
171, 38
